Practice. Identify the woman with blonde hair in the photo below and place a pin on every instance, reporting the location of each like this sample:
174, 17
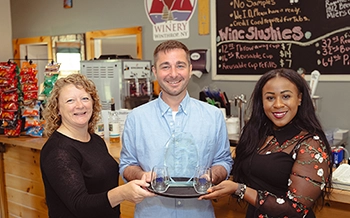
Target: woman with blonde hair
79, 174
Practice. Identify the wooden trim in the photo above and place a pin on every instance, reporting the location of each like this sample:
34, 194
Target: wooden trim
203, 17
90, 36
68, 45
34, 40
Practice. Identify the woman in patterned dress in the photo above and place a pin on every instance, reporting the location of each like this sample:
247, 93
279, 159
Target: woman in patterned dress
283, 159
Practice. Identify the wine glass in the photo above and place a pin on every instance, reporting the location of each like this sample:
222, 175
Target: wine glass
202, 179
160, 179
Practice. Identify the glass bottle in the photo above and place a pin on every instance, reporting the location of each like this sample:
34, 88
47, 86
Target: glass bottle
114, 124
100, 128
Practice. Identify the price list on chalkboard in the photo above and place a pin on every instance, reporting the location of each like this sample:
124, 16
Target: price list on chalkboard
253, 37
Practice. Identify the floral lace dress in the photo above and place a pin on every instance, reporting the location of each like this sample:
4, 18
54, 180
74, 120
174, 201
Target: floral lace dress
289, 171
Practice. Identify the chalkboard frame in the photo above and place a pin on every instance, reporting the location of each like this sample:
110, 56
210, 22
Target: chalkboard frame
215, 76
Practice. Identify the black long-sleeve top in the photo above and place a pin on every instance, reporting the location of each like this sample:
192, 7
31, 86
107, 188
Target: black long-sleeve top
290, 173
77, 176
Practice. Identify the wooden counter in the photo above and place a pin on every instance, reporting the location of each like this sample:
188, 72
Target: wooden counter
23, 194
22, 190
24, 141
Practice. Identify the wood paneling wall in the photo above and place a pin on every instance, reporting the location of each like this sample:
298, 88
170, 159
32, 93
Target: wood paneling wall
23, 183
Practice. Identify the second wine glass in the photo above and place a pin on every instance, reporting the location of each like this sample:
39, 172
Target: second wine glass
202, 179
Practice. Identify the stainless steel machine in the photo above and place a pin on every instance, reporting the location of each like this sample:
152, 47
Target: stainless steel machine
128, 81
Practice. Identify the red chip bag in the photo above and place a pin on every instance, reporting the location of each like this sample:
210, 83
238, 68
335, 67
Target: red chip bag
9, 106
9, 96
14, 132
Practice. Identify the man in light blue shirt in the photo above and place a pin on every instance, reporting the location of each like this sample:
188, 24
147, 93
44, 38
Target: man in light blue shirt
148, 128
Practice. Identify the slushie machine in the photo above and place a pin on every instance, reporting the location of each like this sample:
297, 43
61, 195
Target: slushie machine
127, 81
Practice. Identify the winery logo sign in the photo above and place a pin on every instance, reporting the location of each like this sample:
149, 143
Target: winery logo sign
170, 18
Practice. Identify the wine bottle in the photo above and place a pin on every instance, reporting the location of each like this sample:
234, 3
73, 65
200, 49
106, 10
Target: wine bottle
114, 124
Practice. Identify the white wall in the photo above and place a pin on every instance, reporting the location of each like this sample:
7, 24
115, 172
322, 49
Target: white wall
6, 31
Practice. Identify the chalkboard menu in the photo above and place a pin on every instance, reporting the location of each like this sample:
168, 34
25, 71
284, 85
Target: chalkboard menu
254, 36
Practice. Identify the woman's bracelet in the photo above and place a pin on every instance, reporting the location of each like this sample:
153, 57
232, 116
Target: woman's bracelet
240, 190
